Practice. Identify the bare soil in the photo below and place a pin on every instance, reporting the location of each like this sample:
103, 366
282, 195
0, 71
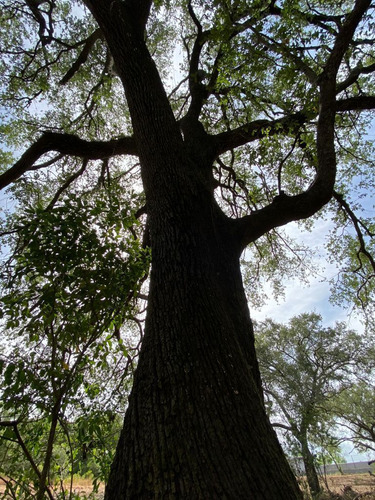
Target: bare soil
340, 487
346, 487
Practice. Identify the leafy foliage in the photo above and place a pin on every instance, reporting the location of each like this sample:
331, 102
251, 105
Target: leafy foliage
305, 367
247, 101
356, 411
250, 62
68, 288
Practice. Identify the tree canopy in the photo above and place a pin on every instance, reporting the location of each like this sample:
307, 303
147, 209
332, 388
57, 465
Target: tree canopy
252, 74
195, 129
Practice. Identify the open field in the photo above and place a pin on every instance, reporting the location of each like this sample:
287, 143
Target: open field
358, 482
348, 486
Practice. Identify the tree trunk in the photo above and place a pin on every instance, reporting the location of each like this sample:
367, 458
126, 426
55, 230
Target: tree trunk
310, 469
196, 426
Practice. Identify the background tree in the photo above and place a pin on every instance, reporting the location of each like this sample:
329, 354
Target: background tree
266, 116
63, 304
304, 366
356, 409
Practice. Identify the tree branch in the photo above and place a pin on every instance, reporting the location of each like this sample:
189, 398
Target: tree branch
30, 458
82, 58
353, 76
344, 38
281, 426
357, 226
282, 48
66, 184
357, 103
256, 130
284, 208
66, 144
293, 426
198, 91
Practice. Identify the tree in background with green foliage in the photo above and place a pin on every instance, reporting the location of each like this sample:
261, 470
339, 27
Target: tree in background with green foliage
264, 124
305, 367
356, 410
67, 289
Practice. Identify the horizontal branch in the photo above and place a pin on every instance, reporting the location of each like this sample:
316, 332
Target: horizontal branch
8, 423
66, 144
358, 103
256, 130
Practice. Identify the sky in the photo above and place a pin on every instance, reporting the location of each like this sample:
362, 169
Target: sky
313, 297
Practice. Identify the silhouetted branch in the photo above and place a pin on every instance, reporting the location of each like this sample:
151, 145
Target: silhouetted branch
82, 58
66, 144
357, 226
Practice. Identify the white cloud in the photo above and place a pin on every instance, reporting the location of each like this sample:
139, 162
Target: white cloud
314, 296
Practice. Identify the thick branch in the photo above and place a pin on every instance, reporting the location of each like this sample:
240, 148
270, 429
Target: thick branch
256, 130
66, 144
156, 131
358, 103
38, 16
285, 208
82, 58
198, 91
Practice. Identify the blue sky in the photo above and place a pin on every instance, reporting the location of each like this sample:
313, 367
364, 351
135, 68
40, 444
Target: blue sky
313, 296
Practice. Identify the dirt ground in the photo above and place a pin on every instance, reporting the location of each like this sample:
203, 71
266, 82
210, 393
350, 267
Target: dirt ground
346, 487
358, 482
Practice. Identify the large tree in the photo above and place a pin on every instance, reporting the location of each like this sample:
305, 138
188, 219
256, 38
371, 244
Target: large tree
304, 366
243, 144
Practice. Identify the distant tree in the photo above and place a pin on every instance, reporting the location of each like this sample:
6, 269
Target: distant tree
356, 410
303, 367
264, 124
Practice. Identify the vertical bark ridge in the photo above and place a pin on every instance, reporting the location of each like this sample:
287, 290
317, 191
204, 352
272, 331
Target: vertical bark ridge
196, 404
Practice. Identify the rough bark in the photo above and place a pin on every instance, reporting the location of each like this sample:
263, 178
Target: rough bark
196, 426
